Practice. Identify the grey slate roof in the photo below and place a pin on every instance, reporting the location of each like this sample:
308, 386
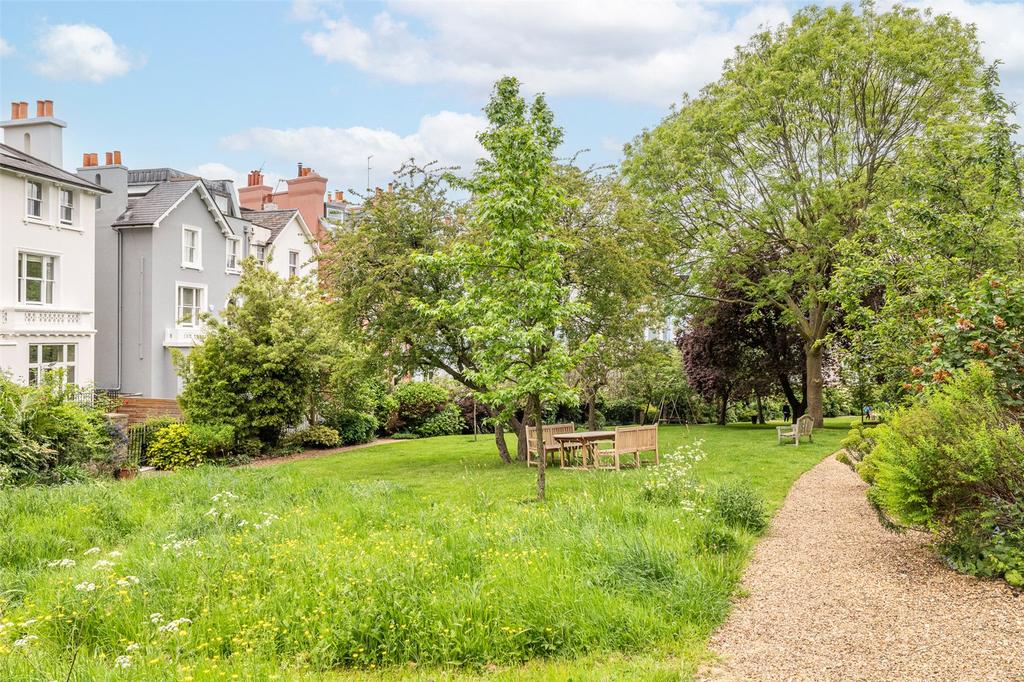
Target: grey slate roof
148, 176
149, 207
15, 160
274, 221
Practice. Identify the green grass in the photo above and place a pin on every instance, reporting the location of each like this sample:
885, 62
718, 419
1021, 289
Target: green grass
423, 558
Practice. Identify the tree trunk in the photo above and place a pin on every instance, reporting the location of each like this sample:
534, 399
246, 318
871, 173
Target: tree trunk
542, 459
723, 407
520, 431
592, 412
795, 407
814, 387
499, 440
760, 409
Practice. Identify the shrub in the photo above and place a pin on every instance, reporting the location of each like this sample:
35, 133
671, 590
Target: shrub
173, 448
319, 436
447, 422
353, 427
247, 449
739, 505
622, 411
141, 436
953, 464
216, 442
713, 539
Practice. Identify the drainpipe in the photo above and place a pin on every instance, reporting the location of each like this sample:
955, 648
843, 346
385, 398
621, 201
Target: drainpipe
120, 305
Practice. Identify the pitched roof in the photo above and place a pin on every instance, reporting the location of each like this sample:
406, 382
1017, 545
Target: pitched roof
149, 176
21, 162
275, 221
151, 206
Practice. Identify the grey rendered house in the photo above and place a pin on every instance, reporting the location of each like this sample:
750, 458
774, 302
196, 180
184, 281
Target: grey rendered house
168, 248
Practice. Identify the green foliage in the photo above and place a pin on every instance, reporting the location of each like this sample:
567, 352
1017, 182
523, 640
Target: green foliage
353, 427
141, 436
417, 401
315, 437
713, 539
740, 506
173, 448
45, 436
216, 442
447, 422
954, 465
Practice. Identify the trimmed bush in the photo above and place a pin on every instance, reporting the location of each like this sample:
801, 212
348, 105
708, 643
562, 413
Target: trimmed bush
353, 427
447, 422
315, 437
173, 449
953, 464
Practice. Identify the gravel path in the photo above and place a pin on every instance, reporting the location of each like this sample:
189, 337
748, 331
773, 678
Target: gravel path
834, 596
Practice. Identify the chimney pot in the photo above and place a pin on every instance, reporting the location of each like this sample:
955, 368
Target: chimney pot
40, 107
117, 157
48, 107
94, 159
15, 109
85, 159
391, 187
110, 158
300, 170
22, 109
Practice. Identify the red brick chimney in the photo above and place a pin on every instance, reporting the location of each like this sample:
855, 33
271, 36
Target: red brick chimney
252, 195
19, 110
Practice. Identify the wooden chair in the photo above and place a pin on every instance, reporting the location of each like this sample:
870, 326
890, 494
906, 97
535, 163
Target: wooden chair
802, 429
629, 440
550, 444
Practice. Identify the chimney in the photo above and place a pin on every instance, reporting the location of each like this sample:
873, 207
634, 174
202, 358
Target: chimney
19, 110
339, 196
89, 160
85, 159
391, 187
117, 157
48, 107
40, 107
109, 159
377, 192
298, 173
94, 159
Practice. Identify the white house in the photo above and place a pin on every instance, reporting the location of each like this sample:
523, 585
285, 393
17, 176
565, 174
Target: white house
47, 260
283, 242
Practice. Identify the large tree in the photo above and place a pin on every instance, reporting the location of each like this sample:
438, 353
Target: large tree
512, 266
796, 146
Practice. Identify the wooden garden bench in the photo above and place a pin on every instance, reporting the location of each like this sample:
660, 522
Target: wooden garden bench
550, 444
629, 440
802, 429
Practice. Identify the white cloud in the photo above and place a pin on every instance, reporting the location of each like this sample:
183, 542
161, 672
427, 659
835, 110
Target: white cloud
214, 170
5, 48
82, 52
650, 52
339, 154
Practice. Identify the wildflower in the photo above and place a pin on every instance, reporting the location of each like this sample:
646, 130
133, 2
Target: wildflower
916, 371
113, 554
25, 641
998, 322
963, 324
128, 581
123, 661
173, 625
940, 375
134, 646
103, 563
85, 587
91, 550
243, 523
156, 618
61, 563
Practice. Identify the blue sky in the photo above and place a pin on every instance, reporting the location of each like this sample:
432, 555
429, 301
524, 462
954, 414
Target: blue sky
224, 87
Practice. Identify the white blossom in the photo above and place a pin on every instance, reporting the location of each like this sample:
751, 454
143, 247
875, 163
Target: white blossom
103, 563
123, 661
91, 550
173, 625
128, 581
85, 587
156, 618
61, 563
25, 641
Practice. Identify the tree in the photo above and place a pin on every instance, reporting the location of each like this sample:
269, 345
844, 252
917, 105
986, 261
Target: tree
512, 265
799, 143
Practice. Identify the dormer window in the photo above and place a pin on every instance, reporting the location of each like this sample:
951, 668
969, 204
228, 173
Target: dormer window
67, 206
34, 199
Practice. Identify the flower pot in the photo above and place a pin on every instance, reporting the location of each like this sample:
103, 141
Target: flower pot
126, 474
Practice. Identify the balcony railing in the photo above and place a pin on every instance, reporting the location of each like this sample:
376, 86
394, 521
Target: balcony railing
24, 319
182, 337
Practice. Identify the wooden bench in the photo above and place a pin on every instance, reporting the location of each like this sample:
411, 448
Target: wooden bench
794, 432
550, 444
629, 440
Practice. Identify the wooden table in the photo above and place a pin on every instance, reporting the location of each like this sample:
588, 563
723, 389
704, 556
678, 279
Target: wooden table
587, 441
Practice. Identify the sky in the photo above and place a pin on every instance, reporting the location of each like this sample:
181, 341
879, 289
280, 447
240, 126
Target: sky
222, 88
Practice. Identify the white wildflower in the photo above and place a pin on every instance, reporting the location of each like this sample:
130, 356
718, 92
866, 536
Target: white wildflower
61, 563
91, 550
30, 621
173, 625
25, 641
103, 563
134, 646
243, 523
128, 581
156, 618
123, 661
85, 587
114, 554
224, 495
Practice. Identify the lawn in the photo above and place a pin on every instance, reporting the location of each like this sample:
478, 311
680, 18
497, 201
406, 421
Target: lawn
419, 558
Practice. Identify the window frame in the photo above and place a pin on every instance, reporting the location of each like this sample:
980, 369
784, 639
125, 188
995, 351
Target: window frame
232, 255
260, 254
38, 369
198, 305
293, 268
47, 285
40, 200
197, 263
70, 206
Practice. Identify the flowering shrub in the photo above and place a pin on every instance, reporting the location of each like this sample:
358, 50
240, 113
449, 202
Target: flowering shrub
953, 464
673, 481
173, 448
984, 325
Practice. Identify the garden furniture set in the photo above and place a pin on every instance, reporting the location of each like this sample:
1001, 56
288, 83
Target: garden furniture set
627, 443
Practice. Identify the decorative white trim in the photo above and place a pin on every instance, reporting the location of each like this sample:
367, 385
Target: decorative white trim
211, 206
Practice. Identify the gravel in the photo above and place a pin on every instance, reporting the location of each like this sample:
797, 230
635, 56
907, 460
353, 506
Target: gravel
834, 596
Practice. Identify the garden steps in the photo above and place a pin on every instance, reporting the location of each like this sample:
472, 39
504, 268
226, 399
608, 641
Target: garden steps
832, 595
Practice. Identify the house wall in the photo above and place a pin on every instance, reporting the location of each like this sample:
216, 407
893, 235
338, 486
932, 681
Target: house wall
292, 238
167, 272
70, 318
